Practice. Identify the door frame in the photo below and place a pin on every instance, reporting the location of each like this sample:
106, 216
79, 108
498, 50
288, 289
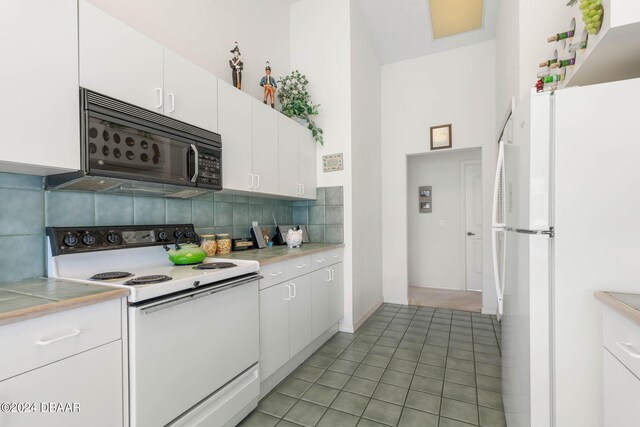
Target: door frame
463, 218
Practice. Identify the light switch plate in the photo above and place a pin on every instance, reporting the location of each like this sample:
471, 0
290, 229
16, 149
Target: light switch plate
332, 162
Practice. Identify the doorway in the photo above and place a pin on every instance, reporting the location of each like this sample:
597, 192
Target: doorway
445, 229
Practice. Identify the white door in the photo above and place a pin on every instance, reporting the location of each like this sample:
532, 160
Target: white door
40, 75
234, 124
118, 61
307, 163
300, 314
190, 92
288, 146
336, 292
265, 147
320, 320
473, 226
92, 379
274, 328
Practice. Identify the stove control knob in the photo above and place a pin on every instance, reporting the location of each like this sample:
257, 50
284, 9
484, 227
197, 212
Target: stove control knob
88, 239
162, 236
177, 233
113, 238
70, 240
188, 234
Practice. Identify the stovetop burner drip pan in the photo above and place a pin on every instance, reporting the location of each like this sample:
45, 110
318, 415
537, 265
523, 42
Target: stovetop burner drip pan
110, 275
214, 266
147, 280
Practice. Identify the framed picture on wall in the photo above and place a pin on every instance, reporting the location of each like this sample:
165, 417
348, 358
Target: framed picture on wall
440, 137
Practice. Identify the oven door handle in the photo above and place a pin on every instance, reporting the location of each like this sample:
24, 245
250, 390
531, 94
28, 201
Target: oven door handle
161, 305
196, 172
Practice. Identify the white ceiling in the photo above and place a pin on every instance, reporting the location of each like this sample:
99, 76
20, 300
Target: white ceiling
401, 29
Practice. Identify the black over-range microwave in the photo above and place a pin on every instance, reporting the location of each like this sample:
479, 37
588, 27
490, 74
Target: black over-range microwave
127, 149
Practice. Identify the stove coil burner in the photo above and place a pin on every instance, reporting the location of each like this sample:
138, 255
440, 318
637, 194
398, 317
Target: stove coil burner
214, 266
111, 275
146, 280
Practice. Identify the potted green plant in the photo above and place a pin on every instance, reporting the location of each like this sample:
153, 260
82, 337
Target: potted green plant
296, 102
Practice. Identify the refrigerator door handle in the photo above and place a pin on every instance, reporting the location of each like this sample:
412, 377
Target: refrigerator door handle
496, 271
498, 190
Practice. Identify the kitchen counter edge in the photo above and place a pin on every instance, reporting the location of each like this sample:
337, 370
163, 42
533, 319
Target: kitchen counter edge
58, 306
611, 301
263, 257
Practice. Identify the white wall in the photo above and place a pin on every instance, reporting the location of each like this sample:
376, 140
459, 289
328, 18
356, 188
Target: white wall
436, 250
366, 168
456, 87
204, 31
507, 63
323, 55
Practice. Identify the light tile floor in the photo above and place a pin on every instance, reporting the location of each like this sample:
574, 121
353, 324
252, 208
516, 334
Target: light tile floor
406, 366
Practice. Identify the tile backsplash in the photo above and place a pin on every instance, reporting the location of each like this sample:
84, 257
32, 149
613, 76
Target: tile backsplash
25, 210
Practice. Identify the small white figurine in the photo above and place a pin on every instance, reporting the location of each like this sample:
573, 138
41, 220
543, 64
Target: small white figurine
294, 238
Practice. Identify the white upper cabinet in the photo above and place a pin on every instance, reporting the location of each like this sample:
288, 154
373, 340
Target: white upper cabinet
265, 148
288, 182
307, 162
190, 92
118, 61
39, 109
234, 124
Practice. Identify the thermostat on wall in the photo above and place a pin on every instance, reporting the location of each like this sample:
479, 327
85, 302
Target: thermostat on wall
332, 162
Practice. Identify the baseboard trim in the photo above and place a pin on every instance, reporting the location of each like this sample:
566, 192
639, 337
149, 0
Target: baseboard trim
268, 384
396, 301
368, 314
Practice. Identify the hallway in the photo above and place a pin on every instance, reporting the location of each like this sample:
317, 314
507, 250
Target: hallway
445, 298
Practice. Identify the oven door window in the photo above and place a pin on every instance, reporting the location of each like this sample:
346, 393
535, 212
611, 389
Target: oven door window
121, 150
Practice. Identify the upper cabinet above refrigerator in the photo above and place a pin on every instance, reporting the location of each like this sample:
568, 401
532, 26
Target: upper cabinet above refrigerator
120, 62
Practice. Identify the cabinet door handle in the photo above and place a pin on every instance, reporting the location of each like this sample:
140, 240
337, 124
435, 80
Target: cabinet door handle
251, 181
60, 338
320, 260
294, 290
258, 180
288, 298
172, 98
302, 186
298, 189
332, 274
328, 275
160, 97
279, 273
336, 256
301, 266
628, 348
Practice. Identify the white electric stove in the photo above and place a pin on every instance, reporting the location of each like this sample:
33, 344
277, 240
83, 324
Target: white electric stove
193, 329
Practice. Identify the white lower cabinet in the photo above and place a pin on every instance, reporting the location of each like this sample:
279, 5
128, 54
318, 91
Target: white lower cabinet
285, 322
82, 390
298, 310
328, 298
621, 369
621, 394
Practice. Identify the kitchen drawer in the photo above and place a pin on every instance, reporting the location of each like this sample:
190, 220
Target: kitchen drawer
622, 338
43, 340
286, 270
322, 259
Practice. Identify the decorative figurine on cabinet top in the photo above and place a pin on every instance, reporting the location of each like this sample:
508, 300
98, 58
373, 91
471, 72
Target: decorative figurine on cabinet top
270, 86
236, 67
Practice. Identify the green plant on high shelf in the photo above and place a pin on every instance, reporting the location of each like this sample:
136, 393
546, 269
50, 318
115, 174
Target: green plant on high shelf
296, 102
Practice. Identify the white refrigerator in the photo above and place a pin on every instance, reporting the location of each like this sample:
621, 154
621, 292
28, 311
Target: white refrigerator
566, 223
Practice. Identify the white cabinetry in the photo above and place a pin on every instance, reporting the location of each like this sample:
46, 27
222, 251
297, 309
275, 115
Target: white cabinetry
39, 108
264, 148
285, 322
297, 160
297, 305
190, 92
92, 380
74, 356
118, 61
234, 122
621, 369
